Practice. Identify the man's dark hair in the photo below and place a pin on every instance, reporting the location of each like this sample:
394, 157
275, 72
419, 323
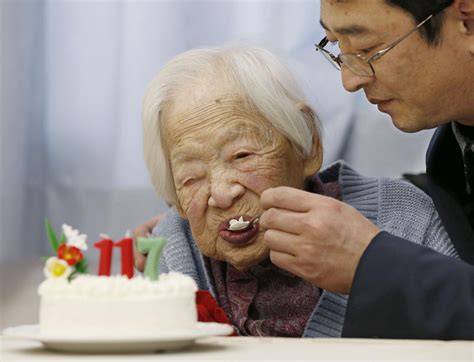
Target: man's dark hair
420, 9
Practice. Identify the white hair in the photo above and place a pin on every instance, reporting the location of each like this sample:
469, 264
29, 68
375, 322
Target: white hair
255, 74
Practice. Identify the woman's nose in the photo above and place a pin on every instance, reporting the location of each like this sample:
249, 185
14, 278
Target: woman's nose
353, 82
224, 194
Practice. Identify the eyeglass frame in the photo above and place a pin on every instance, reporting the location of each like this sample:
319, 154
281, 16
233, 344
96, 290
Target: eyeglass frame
337, 62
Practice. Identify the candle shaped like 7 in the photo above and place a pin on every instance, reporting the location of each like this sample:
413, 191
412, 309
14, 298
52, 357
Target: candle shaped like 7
153, 247
105, 262
126, 251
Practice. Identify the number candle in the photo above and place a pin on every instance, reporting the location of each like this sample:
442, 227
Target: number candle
105, 262
126, 254
153, 247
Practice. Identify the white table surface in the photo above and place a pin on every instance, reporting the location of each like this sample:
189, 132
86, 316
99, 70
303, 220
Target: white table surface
258, 349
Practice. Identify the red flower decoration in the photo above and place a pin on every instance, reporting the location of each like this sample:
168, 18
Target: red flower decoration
209, 310
70, 254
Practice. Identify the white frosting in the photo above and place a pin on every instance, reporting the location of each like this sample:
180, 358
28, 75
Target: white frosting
117, 286
237, 224
117, 306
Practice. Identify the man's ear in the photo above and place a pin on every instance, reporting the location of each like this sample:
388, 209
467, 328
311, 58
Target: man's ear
465, 9
313, 162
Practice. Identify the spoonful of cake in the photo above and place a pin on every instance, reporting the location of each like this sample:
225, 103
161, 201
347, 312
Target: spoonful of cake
241, 225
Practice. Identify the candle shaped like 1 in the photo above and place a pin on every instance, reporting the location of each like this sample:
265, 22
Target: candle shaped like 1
126, 250
153, 247
105, 262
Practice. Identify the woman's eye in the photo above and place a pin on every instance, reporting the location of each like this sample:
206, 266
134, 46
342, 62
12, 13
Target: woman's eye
189, 182
241, 155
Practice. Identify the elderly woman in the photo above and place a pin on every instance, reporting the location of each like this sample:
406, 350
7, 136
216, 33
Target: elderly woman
220, 127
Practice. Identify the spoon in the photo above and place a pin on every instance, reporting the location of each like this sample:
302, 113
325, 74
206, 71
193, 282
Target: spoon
248, 225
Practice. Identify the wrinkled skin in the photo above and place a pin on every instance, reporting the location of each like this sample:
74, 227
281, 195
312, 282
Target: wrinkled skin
223, 156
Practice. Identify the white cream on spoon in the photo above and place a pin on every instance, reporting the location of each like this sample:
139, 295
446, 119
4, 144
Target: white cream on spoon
241, 225
236, 225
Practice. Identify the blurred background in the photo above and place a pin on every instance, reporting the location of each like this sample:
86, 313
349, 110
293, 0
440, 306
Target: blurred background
73, 74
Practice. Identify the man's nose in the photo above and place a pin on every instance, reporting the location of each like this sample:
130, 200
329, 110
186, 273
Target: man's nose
225, 193
353, 82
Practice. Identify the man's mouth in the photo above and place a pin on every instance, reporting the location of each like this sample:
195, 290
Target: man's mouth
376, 100
381, 104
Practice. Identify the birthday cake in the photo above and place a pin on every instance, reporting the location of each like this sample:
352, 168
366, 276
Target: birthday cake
80, 305
101, 306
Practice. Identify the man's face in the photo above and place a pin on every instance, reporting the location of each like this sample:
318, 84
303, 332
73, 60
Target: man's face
222, 158
418, 85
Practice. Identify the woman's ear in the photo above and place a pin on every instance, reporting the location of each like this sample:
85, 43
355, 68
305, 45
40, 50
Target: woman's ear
180, 210
313, 162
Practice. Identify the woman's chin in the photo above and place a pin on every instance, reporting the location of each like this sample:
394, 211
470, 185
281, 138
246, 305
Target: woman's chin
241, 257
244, 264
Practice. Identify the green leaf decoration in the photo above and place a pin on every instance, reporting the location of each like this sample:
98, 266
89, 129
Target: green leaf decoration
81, 267
53, 240
72, 276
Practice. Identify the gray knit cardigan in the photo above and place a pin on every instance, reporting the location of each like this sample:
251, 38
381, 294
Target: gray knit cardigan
394, 206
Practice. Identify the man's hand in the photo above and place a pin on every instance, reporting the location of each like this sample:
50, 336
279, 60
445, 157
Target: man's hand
315, 237
142, 231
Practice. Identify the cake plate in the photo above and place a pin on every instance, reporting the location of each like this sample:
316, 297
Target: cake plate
125, 344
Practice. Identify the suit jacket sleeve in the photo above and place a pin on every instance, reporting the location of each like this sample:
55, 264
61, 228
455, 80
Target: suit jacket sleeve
405, 290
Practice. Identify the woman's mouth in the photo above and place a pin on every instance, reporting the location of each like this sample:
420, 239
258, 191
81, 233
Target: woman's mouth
238, 237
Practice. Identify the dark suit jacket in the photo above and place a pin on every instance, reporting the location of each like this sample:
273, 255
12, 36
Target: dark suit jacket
404, 290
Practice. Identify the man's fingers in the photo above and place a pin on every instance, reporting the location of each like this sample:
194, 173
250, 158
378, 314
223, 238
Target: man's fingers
144, 230
141, 232
289, 198
151, 223
284, 261
283, 220
282, 242
140, 261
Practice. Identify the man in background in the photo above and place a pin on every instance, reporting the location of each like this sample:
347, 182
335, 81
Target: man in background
415, 61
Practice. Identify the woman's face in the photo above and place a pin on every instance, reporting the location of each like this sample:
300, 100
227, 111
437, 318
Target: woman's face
222, 158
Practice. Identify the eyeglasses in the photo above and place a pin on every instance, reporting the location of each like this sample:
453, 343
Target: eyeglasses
357, 63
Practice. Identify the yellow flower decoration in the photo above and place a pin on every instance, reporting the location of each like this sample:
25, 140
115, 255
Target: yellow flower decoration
57, 268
